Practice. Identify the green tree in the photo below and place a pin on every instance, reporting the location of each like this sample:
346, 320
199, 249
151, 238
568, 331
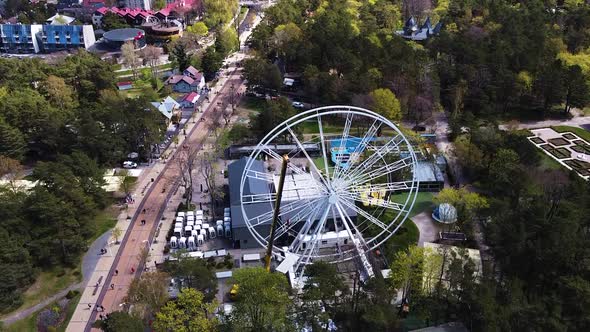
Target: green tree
211, 62
159, 4
219, 12
406, 271
577, 91
126, 182
12, 142
188, 313
199, 28
195, 273
506, 173
227, 42
112, 21
179, 56
467, 203
17, 268
323, 293
118, 321
58, 93
386, 104
262, 302
148, 293
116, 233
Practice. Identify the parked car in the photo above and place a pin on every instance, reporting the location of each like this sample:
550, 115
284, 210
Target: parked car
129, 164
298, 104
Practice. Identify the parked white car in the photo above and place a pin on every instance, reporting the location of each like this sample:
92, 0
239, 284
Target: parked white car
129, 164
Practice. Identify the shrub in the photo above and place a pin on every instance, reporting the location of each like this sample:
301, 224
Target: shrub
220, 265
71, 294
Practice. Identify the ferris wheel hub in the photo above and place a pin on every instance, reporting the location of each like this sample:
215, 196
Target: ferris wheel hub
333, 197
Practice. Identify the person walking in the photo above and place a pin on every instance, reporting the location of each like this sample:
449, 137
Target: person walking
116, 272
112, 286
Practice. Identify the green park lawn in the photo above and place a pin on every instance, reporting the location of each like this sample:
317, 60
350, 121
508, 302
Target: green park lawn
578, 131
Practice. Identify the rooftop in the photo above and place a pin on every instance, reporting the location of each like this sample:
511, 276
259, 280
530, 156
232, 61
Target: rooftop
122, 35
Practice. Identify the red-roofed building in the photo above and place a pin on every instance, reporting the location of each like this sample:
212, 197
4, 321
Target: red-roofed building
189, 100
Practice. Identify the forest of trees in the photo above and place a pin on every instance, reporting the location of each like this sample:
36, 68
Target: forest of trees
492, 62
493, 58
69, 122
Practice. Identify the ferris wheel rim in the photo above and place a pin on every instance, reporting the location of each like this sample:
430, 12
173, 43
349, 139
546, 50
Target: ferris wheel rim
317, 113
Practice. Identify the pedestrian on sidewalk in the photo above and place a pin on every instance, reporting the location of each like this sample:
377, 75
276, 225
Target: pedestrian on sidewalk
132, 270
116, 272
89, 305
112, 286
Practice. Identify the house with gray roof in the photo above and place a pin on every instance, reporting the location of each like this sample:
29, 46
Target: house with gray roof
167, 107
414, 31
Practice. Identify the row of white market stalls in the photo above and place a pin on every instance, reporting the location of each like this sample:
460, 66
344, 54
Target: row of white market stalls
192, 230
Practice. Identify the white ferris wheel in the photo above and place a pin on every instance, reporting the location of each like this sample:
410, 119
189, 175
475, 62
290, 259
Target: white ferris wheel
349, 185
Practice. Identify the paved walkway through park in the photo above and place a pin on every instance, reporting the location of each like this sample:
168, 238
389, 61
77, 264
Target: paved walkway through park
121, 265
427, 226
577, 121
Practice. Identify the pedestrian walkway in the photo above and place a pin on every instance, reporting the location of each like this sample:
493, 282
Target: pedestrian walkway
156, 199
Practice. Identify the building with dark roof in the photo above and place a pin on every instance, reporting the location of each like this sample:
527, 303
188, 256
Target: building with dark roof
240, 233
297, 188
190, 80
114, 39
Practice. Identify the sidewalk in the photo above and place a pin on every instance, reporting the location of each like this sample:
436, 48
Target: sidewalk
138, 236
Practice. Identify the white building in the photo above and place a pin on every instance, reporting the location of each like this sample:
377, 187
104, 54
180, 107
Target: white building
143, 4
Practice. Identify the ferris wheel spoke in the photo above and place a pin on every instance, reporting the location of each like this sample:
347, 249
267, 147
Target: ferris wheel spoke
266, 217
300, 237
310, 248
290, 166
377, 155
345, 133
376, 173
303, 214
355, 237
355, 155
324, 155
255, 175
313, 166
361, 245
380, 202
366, 215
380, 187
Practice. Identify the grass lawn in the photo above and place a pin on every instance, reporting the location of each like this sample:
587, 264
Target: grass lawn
408, 233
48, 283
69, 312
253, 104
311, 127
104, 221
578, 131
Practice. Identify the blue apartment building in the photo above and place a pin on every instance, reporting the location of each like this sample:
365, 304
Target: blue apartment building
44, 38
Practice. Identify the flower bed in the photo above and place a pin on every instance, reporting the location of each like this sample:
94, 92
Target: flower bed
579, 166
559, 141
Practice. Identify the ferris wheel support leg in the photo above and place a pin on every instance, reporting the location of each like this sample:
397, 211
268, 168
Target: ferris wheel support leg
275, 217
